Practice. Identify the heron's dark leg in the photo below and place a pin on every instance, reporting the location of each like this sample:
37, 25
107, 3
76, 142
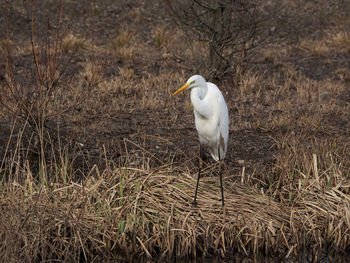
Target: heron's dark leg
220, 174
199, 173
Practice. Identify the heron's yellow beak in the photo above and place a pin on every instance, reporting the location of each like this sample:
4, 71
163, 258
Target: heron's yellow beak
182, 88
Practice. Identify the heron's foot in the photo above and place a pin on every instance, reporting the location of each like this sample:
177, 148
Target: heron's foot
194, 203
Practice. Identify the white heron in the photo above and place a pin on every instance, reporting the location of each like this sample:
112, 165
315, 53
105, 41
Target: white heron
211, 121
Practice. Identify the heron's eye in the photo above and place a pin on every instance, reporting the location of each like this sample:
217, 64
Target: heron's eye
192, 82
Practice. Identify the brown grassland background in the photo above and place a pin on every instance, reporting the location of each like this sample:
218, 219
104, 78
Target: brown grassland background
98, 162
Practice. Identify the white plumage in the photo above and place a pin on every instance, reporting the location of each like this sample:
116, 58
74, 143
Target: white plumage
211, 117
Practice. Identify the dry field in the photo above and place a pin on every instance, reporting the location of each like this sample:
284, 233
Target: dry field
98, 162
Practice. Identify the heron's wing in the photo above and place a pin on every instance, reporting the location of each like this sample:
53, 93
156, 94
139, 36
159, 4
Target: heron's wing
224, 126
222, 142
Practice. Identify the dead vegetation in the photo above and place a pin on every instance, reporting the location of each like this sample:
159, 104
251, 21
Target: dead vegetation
123, 211
98, 162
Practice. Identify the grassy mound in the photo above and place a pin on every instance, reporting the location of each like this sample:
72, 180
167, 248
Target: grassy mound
147, 212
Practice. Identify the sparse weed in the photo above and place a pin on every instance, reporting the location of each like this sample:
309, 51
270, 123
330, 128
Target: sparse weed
127, 73
341, 40
316, 48
160, 37
71, 43
92, 74
124, 45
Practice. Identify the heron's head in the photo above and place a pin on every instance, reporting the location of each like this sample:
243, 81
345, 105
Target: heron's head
196, 81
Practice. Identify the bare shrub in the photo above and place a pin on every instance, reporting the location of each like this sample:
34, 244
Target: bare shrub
29, 93
34, 88
232, 29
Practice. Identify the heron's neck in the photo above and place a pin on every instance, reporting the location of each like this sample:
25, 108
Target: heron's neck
200, 105
198, 93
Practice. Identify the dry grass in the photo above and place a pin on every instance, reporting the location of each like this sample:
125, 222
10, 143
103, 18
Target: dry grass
72, 43
124, 45
316, 48
147, 211
109, 172
341, 39
92, 73
334, 40
160, 36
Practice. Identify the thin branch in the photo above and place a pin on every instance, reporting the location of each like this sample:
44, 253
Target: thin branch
58, 28
36, 60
